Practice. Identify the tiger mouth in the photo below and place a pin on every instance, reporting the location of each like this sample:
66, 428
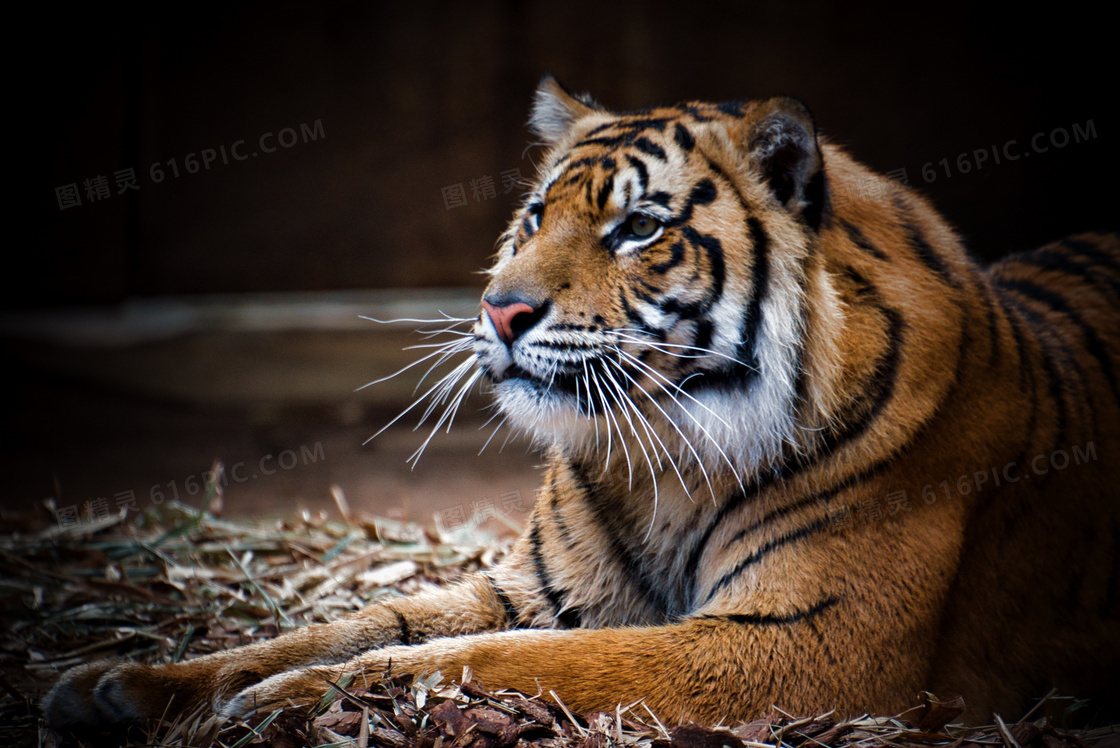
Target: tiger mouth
565, 382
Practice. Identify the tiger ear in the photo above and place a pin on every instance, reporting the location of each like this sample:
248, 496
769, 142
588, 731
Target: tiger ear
555, 110
782, 142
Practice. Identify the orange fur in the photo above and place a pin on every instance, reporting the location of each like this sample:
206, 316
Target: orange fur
834, 463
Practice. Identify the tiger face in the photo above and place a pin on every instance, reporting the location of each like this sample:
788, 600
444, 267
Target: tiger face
628, 295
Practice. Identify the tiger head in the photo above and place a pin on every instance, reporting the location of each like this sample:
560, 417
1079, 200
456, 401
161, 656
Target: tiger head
652, 287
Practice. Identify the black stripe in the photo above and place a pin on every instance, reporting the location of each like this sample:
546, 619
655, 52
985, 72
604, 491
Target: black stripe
674, 259
605, 191
574, 178
703, 336
614, 527
917, 241
636, 319
585, 161
770, 516
405, 631
880, 390
683, 137
611, 141
643, 173
687, 311
513, 615
558, 520
764, 550
857, 237
737, 376
769, 619
1027, 382
1109, 259
1093, 342
569, 617
702, 193
994, 346
645, 145
1049, 357
732, 108
1061, 262
714, 250
1026, 368
695, 112
638, 123
760, 288
863, 286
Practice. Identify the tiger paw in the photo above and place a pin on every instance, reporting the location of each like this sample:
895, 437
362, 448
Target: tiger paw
302, 687
110, 693
71, 703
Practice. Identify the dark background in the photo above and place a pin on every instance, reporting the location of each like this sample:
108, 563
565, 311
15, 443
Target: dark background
410, 100
417, 97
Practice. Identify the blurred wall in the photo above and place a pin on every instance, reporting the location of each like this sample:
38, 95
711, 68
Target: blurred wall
392, 106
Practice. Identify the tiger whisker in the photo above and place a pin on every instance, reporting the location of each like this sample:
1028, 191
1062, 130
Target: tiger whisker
452, 349
660, 347
622, 400
621, 437
652, 434
493, 433
446, 318
417, 362
446, 385
466, 337
594, 418
447, 416
654, 375
618, 398
672, 422
417, 401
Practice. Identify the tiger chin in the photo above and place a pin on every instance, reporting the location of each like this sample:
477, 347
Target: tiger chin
803, 453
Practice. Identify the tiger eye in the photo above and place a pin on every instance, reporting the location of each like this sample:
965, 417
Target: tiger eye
642, 226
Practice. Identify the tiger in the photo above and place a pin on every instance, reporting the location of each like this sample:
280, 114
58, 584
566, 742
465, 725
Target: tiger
802, 453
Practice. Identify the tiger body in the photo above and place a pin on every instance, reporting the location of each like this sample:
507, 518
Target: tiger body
801, 453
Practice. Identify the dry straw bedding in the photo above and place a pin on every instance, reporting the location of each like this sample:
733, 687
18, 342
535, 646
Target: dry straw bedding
176, 582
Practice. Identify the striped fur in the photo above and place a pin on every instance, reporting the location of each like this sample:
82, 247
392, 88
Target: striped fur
802, 453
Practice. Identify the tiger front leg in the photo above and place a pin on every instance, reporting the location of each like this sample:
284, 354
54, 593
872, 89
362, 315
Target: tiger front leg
110, 692
704, 669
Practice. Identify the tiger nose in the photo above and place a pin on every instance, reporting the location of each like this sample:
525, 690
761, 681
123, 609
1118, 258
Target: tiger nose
513, 319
